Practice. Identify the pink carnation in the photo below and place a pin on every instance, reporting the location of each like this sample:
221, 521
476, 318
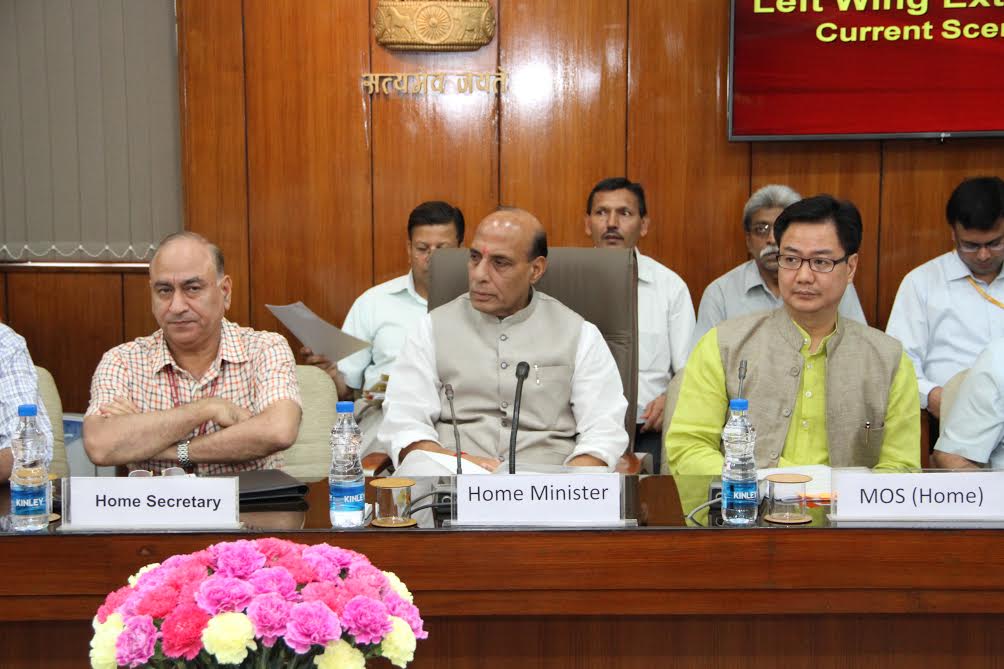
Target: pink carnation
366, 619
407, 612
274, 579
186, 578
113, 601
186, 570
149, 580
157, 602
182, 631
368, 579
328, 562
238, 559
134, 646
311, 623
331, 593
269, 613
222, 594
273, 549
297, 568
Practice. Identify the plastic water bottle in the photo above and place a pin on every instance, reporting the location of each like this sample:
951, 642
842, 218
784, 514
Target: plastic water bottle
29, 479
346, 480
739, 484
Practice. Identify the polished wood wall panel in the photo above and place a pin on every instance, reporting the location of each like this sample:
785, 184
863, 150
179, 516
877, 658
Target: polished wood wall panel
563, 118
917, 179
848, 170
430, 147
137, 314
214, 153
310, 207
69, 321
695, 180
305, 181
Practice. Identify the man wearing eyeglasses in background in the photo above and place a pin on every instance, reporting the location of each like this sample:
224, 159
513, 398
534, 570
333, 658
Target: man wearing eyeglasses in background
950, 308
752, 286
823, 389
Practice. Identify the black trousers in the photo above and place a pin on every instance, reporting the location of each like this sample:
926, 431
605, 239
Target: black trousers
649, 442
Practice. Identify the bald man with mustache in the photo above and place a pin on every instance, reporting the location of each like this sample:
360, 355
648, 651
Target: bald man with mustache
573, 404
201, 392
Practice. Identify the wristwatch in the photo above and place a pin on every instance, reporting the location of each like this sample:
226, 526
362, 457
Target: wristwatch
182, 447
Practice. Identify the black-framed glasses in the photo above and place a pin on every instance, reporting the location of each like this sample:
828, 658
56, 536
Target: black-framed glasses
761, 229
821, 265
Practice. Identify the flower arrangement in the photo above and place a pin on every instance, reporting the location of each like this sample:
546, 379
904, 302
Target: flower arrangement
261, 603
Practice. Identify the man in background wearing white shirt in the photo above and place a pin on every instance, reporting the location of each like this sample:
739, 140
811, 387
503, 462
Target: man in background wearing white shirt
753, 285
386, 313
950, 308
974, 427
573, 404
617, 217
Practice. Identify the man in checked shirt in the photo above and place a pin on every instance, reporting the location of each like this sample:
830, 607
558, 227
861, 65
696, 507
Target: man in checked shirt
200, 392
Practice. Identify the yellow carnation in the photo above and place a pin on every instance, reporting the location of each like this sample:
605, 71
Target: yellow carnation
103, 641
142, 570
340, 655
229, 637
399, 645
398, 586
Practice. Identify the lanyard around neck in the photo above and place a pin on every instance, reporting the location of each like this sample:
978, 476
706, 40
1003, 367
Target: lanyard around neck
986, 296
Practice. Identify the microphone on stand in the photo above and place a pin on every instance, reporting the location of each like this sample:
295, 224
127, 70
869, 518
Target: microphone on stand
742, 378
522, 371
448, 388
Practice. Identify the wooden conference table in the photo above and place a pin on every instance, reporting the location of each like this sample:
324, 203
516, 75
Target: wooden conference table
657, 595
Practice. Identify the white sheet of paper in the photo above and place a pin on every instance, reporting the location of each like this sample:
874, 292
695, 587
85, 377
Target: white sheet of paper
425, 463
317, 334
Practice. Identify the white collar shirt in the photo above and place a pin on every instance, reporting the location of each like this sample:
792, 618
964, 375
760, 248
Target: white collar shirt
665, 327
383, 316
943, 321
974, 428
742, 291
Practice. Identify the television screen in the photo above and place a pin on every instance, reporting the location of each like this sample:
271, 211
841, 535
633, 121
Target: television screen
836, 69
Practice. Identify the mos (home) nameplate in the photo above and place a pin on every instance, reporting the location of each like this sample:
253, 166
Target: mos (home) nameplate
931, 496
539, 499
150, 503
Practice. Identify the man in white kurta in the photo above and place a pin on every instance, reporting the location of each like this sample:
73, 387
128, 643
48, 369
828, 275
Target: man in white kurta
948, 310
572, 405
617, 217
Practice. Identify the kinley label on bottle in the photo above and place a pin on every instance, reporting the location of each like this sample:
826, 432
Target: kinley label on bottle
739, 493
29, 500
347, 496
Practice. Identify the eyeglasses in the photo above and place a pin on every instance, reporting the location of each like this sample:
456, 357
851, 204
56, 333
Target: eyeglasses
996, 246
821, 265
761, 229
146, 473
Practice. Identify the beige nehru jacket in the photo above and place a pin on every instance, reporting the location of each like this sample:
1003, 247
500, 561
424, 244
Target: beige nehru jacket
477, 353
861, 363
573, 403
